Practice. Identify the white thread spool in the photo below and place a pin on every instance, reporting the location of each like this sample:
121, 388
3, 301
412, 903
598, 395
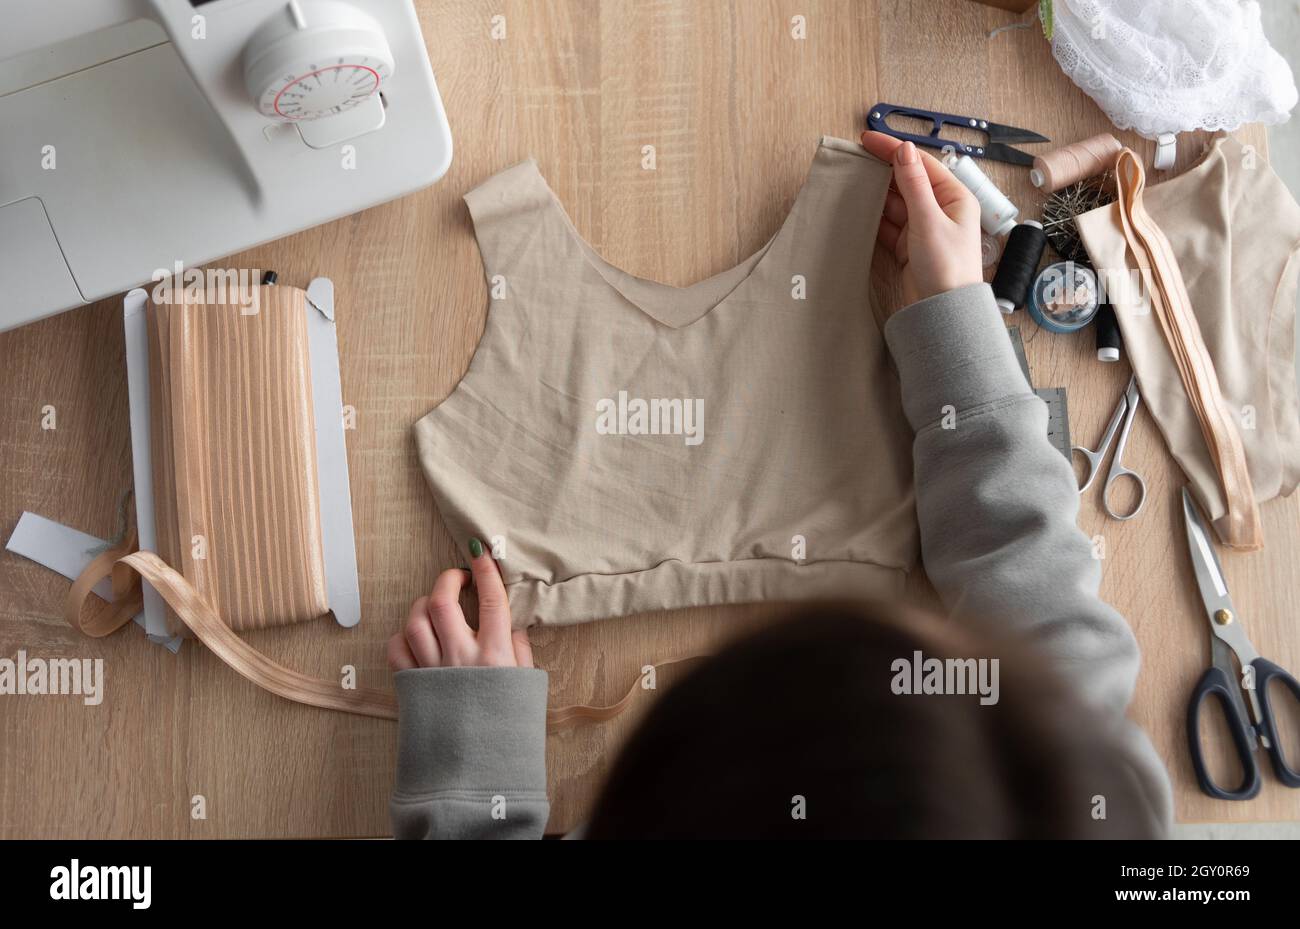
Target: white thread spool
997, 213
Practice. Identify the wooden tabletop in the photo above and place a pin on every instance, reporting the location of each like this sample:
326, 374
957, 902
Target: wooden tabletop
733, 103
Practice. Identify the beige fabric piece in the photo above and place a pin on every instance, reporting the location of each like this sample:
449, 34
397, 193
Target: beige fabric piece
803, 432
1235, 231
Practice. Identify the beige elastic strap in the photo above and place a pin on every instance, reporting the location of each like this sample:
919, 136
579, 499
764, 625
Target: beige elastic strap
127, 567
208, 628
564, 715
1164, 282
127, 598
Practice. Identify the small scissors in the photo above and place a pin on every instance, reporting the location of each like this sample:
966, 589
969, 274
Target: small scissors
1125, 412
999, 136
1220, 679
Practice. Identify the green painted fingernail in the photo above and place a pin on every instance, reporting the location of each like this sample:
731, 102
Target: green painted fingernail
475, 547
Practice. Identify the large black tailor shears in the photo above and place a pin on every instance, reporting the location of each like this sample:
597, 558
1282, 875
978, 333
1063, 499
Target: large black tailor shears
1249, 728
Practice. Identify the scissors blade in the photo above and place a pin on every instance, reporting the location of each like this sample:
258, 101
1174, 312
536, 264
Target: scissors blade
1205, 563
999, 152
999, 133
1212, 585
1131, 394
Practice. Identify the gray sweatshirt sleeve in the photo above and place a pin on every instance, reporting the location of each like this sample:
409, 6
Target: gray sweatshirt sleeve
1019, 564
471, 754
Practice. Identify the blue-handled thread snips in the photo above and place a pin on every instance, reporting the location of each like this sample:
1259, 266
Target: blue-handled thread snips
1000, 137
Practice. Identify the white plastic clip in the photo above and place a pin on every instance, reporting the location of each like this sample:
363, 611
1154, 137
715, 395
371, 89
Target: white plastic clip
1166, 151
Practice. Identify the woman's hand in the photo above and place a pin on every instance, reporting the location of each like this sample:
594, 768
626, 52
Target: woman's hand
931, 221
437, 636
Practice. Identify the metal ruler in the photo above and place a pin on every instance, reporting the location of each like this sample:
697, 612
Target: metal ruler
1018, 346
1058, 419
1058, 411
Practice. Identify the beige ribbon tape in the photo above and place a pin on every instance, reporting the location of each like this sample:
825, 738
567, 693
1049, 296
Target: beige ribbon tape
564, 715
127, 566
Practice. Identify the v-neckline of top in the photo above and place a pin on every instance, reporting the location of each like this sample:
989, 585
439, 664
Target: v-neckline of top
671, 306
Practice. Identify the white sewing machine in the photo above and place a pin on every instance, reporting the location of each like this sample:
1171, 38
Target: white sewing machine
135, 134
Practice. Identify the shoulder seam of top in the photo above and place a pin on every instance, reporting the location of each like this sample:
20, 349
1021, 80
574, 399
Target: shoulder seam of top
834, 143
530, 161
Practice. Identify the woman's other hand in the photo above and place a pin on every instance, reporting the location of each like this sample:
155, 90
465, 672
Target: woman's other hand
931, 221
437, 635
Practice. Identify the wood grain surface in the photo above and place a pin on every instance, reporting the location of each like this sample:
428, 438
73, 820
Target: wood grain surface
733, 105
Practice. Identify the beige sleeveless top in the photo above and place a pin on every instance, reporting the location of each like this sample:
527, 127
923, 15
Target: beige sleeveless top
627, 446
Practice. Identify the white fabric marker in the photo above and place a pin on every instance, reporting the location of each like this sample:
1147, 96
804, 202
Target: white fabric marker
997, 213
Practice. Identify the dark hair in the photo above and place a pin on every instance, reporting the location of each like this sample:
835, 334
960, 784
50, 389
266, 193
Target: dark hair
806, 710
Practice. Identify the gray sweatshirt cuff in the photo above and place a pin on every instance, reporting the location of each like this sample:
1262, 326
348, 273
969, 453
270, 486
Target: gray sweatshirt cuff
952, 350
471, 730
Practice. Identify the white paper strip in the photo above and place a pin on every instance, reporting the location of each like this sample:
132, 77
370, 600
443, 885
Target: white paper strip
67, 551
134, 321
337, 539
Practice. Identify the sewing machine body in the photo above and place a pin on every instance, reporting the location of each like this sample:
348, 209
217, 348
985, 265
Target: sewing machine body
135, 134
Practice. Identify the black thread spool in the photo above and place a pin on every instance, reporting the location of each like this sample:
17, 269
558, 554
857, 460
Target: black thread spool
1108, 337
1015, 274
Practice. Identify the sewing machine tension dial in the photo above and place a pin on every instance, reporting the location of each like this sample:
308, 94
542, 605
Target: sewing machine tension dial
323, 90
321, 59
